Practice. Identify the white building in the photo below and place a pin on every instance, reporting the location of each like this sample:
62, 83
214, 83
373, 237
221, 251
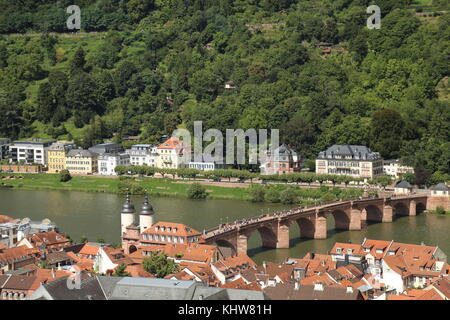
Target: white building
403, 187
355, 161
206, 166
173, 154
14, 231
107, 163
4, 147
142, 154
29, 152
440, 189
395, 169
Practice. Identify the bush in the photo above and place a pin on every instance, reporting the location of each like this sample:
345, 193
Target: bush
272, 195
257, 194
440, 210
64, 176
288, 196
328, 197
196, 191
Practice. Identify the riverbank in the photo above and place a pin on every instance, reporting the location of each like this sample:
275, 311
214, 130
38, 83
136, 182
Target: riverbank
168, 187
154, 186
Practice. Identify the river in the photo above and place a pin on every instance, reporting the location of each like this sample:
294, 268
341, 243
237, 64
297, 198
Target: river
97, 215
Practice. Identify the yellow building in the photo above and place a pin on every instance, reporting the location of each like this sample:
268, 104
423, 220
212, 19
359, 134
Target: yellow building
56, 156
80, 161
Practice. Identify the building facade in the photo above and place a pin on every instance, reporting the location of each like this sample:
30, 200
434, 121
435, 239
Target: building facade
4, 148
282, 160
205, 166
171, 154
80, 161
142, 154
108, 147
29, 152
355, 161
107, 163
394, 168
56, 155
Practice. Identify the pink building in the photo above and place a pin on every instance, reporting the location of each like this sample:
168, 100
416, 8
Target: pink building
282, 160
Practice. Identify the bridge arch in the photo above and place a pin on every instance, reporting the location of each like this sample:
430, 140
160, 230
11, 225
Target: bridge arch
341, 220
420, 207
307, 228
374, 213
401, 209
268, 236
225, 244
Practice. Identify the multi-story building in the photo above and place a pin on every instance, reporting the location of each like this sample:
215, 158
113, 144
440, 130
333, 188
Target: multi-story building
80, 161
167, 232
107, 163
4, 148
282, 160
206, 166
356, 161
29, 152
108, 147
56, 155
395, 168
142, 154
171, 154
14, 230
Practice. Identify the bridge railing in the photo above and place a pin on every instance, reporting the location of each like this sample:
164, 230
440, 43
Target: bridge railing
224, 228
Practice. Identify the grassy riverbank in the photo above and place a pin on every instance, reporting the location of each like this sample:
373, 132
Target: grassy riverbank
154, 186
167, 187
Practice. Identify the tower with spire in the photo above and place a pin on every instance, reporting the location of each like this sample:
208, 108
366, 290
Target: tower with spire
127, 214
147, 216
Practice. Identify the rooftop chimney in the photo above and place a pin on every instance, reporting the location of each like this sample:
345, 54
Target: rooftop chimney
349, 290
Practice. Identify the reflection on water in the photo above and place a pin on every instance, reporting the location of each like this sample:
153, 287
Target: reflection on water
97, 215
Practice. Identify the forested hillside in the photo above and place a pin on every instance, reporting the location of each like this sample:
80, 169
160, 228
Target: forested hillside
144, 68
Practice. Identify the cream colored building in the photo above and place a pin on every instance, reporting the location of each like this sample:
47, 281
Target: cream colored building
355, 161
80, 161
56, 156
171, 154
395, 168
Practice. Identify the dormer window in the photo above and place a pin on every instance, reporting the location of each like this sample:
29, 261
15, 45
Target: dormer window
338, 250
349, 251
169, 229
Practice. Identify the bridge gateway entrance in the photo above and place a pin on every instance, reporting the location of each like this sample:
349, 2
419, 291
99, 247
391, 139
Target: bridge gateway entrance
274, 229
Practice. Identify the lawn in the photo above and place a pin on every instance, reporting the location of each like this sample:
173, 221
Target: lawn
154, 186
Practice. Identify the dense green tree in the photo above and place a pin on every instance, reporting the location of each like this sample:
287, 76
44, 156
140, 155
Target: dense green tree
159, 265
196, 191
386, 132
64, 175
120, 271
78, 61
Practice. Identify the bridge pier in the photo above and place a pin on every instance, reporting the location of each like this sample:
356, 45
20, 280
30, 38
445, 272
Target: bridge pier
242, 241
355, 219
387, 213
320, 228
412, 208
283, 237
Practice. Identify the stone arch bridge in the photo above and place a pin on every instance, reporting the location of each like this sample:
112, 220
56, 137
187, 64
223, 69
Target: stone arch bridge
312, 220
